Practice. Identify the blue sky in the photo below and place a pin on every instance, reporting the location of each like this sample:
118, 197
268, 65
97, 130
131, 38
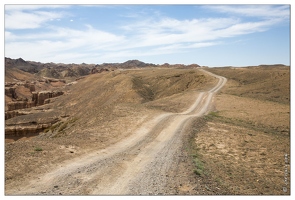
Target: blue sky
208, 35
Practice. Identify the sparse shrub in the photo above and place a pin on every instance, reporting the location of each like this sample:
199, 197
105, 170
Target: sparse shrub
38, 149
62, 126
197, 172
214, 114
199, 166
53, 127
65, 124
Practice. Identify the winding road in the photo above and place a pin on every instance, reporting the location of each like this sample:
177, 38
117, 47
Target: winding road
135, 165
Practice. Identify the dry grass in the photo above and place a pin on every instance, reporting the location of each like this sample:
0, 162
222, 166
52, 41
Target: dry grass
244, 142
13, 74
264, 83
107, 107
162, 83
272, 116
241, 146
243, 160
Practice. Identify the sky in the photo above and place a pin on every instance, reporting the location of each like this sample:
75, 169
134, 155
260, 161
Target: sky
208, 35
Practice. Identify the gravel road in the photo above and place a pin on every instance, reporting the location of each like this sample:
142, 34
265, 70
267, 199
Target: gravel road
140, 164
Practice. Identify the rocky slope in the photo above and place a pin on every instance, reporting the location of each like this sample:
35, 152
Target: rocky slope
60, 70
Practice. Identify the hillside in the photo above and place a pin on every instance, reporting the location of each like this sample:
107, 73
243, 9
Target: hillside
14, 74
244, 145
270, 83
72, 71
78, 129
97, 111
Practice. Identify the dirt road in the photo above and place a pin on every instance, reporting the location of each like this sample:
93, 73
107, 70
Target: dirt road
136, 165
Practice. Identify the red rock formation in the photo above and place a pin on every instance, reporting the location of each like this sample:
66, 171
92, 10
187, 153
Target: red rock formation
10, 92
28, 128
11, 114
39, 97
19, 130
30, 86
16, 105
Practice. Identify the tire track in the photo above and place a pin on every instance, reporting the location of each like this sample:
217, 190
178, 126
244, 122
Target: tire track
165, 139
131, 166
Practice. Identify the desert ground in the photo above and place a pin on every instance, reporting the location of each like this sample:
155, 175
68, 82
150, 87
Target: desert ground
250, 131
147, 131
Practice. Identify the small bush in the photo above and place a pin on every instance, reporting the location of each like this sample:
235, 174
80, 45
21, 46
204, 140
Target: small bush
38, 149
214, 114
199, 167
62, 126
198, 172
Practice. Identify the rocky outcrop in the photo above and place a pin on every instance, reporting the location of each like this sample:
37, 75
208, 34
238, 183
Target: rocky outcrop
10, 84
16, 105
39, 97
11, 114
10, 92
71, 83
25, 130
30, 86
96, 70
10, 87
53, 80
19, 130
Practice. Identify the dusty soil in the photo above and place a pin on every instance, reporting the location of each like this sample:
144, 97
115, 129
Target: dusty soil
271, 83
245, 144
12, 75
141, 132
88, 151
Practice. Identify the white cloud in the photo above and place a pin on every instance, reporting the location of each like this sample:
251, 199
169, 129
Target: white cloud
265, 11
151, 36
32, 7
180, 46
58, 42
24, 20
168, 31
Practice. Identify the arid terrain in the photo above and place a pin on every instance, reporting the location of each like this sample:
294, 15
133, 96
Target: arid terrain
245, 142
142, 129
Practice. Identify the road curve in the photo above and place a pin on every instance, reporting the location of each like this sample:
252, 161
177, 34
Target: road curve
135, 165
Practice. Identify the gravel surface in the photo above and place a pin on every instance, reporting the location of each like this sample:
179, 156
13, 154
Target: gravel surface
145, 163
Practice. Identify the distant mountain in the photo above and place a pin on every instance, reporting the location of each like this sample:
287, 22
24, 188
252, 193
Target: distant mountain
22, 65
60, 70
50, 70
127, 65
135, 64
